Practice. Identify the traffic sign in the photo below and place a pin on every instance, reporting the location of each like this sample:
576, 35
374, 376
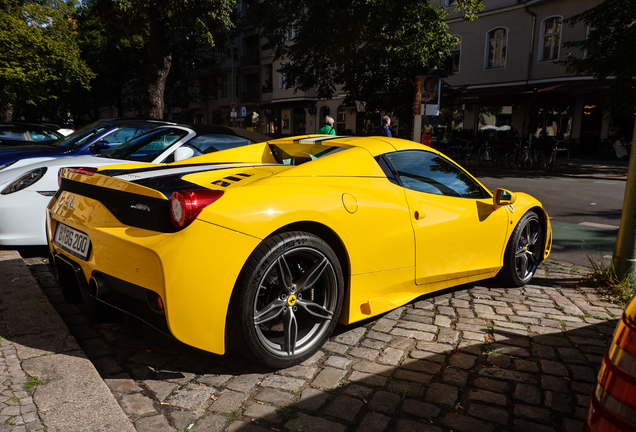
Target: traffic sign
233, 105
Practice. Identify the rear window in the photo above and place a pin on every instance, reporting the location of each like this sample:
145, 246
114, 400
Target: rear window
211, 143
297, 154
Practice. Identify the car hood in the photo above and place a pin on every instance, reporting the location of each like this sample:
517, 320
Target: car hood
8, 154
53, 165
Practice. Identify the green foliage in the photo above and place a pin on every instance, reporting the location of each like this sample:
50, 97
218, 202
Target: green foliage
233, 416
604, 279
40, 62
609, 49
173, 24
31, 382
112, 44
372, 49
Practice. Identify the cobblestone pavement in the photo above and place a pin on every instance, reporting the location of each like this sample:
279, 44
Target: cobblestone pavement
479, 357
17, 410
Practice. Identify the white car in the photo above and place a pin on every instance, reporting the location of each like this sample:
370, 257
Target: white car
26, 190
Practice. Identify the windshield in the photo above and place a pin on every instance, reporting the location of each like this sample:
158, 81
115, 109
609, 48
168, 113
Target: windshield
146, 148
112, 135
81, 136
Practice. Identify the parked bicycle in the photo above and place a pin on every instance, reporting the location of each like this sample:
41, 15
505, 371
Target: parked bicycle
490, 155
526, 156
559, 155
461, 153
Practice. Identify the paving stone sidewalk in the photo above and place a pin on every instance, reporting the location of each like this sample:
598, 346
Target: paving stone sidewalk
46, 381
479, 357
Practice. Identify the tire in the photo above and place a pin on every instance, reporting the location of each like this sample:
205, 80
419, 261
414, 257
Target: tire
506, 164
513, 160
282, 324
486, 157
525, 162
541, 162
467, 155
523, 252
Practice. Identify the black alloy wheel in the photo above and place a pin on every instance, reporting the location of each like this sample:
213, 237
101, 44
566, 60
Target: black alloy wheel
524, 251
288, 299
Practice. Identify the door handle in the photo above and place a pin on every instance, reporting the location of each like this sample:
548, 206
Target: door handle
417, 215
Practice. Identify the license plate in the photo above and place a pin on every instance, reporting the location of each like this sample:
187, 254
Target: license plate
72, 241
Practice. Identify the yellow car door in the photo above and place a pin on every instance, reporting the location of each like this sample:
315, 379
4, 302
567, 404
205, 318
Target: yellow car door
459, 234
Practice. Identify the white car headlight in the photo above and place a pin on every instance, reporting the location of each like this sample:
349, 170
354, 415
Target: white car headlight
24, 181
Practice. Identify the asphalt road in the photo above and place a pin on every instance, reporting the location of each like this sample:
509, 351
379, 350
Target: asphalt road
585, 213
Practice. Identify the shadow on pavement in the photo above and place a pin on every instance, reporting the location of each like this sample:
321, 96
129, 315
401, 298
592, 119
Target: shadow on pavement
476, 357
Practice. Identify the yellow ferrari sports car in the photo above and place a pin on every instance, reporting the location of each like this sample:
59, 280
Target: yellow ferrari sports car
264, 248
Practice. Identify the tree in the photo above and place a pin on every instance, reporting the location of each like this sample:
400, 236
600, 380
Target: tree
372, 48
609, 49
40, 62
112, 43
169, 23
610, 52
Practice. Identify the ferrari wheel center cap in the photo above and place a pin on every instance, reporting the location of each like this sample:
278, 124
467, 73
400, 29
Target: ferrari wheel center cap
291, 300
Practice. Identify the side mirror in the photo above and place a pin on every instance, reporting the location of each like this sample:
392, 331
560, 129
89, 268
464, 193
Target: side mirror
503, 197
183, 153
97, 147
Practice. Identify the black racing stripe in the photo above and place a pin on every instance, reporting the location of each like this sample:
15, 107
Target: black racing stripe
167, 184
130, 209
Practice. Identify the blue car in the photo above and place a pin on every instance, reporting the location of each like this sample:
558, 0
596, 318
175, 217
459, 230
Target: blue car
89, 140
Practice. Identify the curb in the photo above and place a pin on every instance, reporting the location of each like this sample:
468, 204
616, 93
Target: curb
70, 395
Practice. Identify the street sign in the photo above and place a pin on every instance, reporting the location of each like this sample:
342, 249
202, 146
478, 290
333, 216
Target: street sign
243, 111
233, 105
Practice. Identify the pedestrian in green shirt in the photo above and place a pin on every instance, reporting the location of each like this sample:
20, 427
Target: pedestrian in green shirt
327, 129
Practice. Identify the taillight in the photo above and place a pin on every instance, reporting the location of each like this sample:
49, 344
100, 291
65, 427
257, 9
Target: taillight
613, 405
185, 205
89, 171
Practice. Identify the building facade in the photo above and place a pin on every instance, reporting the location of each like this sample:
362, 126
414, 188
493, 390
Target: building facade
506, 61
252, 94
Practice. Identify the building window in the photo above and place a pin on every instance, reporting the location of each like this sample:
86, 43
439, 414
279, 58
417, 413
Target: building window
551, 30
224, 86
455, 51
450, 3
282, 81
497, 42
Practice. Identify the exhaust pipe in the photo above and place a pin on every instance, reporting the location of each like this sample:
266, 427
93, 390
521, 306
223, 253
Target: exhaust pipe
97, 287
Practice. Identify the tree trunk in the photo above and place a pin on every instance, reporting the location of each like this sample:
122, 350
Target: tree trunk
7, 112
157, 62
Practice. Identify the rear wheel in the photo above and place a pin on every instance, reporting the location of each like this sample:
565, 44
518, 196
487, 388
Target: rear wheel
523, 252
288, 298
541, 161
486, 157
525, 161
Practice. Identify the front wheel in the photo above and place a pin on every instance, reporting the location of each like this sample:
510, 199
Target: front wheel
523, 252
288, 298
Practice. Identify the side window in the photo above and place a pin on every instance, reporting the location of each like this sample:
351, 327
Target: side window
41, 135
429, 173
